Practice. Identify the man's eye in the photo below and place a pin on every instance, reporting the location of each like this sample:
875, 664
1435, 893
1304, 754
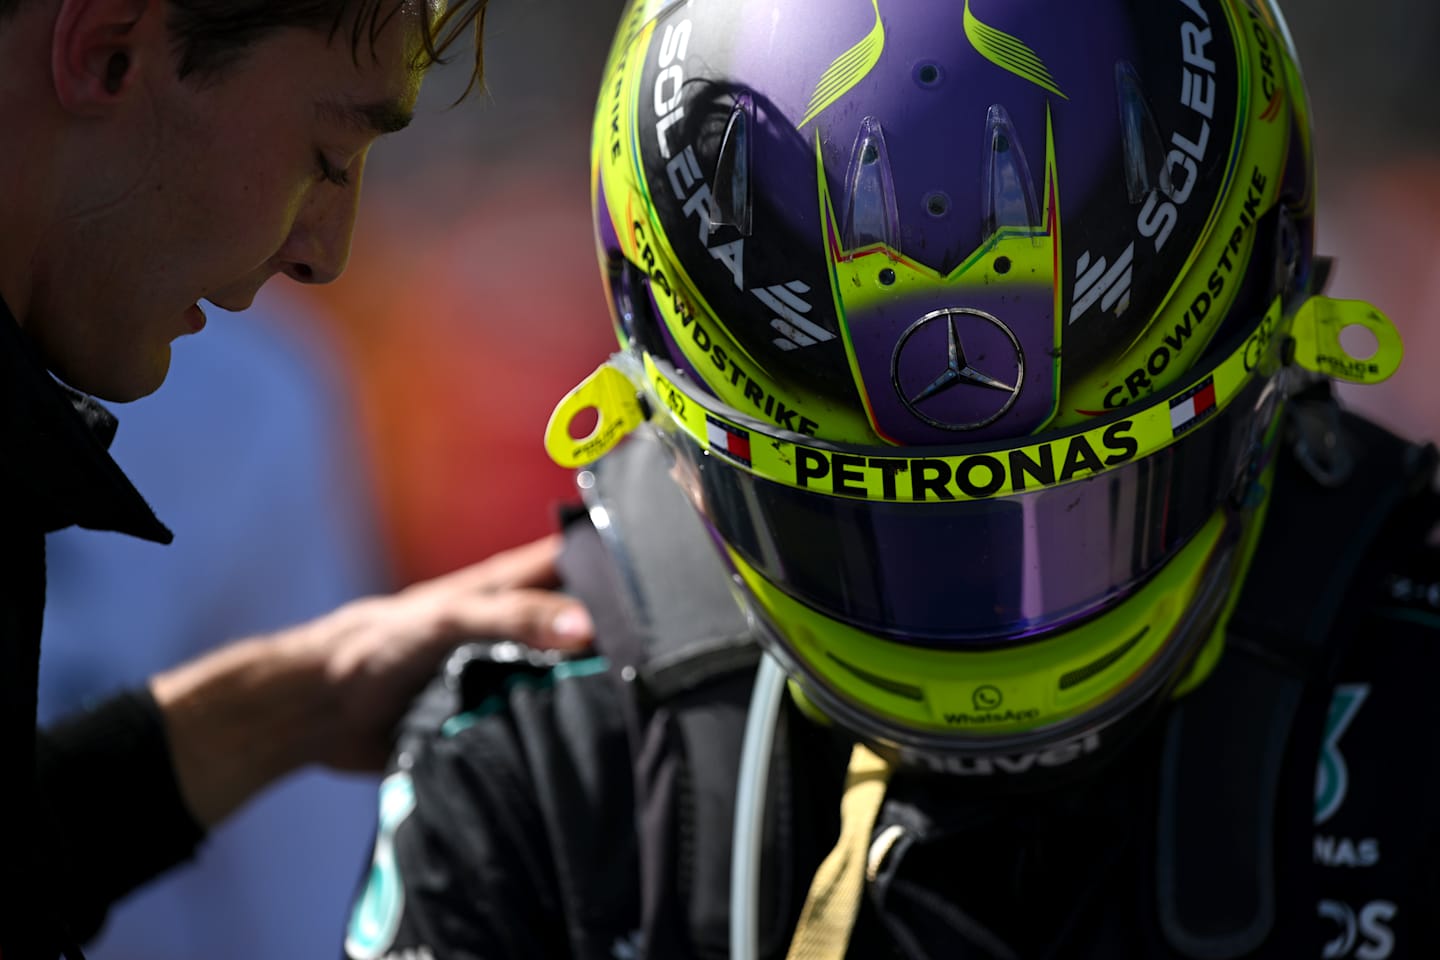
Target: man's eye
332, 173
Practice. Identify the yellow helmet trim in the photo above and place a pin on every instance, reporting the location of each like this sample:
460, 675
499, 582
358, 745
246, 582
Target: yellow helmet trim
994, 692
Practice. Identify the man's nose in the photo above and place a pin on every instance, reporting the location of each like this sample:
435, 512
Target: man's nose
318, 247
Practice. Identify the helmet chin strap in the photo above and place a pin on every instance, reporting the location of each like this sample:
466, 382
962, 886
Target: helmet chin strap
755, 752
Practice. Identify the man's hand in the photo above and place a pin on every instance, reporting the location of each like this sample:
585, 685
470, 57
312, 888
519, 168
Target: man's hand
331, 691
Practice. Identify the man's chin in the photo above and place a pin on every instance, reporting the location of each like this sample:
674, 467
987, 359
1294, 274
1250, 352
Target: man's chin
122, 382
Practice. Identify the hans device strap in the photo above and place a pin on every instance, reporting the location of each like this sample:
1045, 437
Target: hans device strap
683, 650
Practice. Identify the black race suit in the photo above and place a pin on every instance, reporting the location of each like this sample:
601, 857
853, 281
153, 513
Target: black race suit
91, 808
585, 811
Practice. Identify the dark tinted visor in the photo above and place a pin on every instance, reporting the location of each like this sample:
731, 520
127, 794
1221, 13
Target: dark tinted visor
974, 573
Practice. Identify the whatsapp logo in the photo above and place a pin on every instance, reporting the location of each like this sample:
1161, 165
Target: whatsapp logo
987, 697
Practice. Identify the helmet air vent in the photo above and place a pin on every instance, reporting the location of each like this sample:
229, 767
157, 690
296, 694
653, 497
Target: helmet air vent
1143, 149
1009, 193
871, 216
730, 186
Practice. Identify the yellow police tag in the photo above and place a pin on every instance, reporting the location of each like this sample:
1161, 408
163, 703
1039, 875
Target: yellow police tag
1317, 330
611, 395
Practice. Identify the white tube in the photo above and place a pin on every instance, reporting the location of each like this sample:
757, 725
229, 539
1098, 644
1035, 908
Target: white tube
755, 752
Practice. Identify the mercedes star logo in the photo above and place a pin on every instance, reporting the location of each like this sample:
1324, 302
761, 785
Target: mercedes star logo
958, 371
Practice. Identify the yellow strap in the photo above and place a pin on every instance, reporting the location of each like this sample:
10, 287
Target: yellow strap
823, 932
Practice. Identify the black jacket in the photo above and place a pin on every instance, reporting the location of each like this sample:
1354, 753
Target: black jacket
90, 809
585, 811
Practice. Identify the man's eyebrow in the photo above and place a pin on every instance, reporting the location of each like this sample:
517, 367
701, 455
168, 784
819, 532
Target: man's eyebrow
386, 116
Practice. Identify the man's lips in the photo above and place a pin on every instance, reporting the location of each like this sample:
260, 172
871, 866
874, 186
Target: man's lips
195, 318
233, 303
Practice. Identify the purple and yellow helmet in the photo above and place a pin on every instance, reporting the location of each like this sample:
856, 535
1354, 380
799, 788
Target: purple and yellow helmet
971, 325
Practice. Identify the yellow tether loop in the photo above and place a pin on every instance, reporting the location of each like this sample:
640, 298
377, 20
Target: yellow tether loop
823, 932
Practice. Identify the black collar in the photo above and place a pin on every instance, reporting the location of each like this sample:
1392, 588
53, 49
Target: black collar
53, 449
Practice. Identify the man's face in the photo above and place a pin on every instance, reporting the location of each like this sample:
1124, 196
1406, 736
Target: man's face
204, 191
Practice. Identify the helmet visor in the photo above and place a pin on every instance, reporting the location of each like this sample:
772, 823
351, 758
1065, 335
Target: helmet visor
976, 546
972, 573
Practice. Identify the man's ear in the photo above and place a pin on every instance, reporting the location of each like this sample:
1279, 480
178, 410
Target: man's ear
99, 47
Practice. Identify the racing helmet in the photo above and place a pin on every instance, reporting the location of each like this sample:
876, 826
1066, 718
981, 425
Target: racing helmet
970, 327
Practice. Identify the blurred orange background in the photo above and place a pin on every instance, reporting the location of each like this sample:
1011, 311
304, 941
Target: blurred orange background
461, 339
473, 299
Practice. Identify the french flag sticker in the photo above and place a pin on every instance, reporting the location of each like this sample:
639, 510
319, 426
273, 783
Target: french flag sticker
731, 441
1192, 407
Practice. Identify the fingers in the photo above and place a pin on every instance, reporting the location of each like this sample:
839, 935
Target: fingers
529, 565
539, 618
